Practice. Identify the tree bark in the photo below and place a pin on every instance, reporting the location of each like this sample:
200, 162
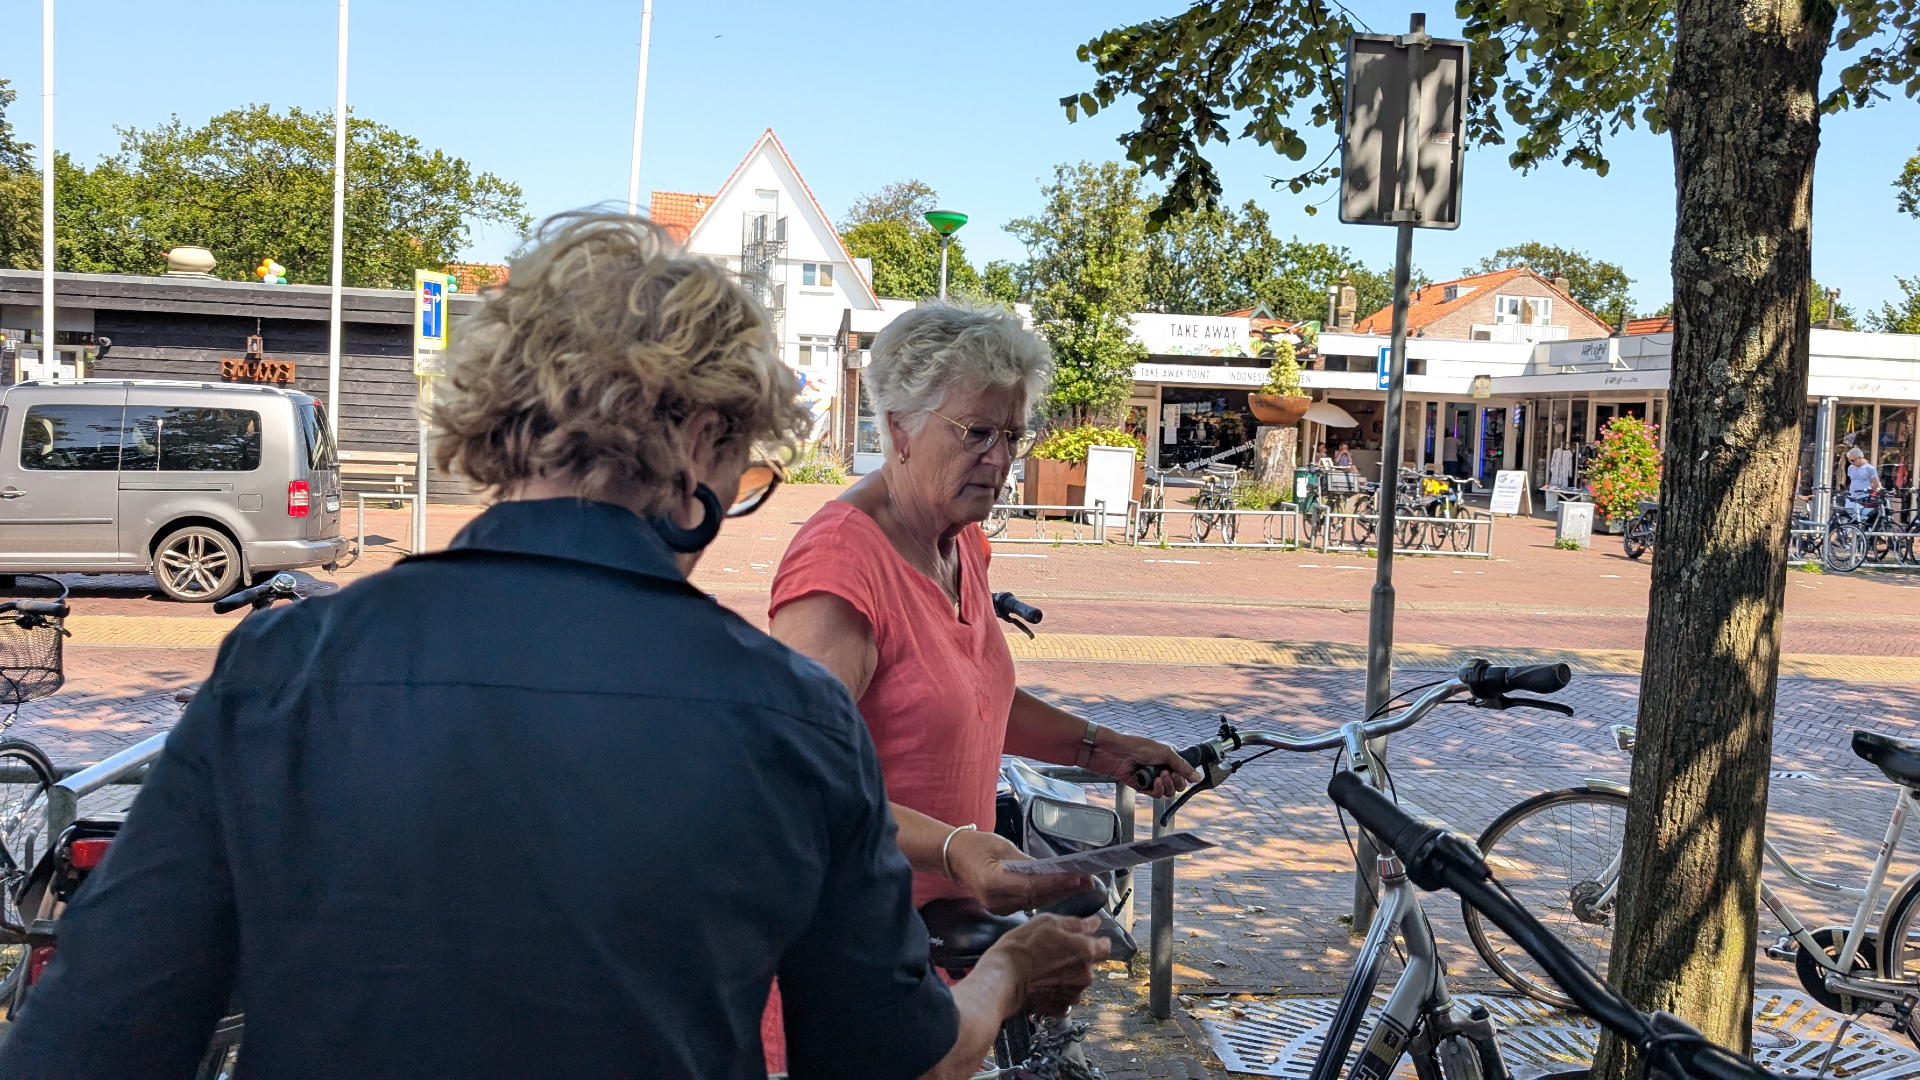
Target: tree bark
1274, 457
1742, 106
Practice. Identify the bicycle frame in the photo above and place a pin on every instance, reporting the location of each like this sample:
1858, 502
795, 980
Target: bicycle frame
1839, 969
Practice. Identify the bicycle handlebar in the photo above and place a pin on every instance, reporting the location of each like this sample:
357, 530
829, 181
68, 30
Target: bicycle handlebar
278, 587
56, 609
1437, 859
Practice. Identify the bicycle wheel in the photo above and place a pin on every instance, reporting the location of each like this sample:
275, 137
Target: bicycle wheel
1202, 526
1558, 853
1638, 537
25, 777
1366, 520
1846, 548
1229, 524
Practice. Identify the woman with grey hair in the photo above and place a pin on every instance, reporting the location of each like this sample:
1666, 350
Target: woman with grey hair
887, 588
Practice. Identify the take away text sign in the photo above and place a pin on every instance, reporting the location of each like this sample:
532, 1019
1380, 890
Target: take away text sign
430, 292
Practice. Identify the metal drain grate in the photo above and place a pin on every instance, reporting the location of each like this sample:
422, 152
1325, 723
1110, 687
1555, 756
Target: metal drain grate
1280, 1036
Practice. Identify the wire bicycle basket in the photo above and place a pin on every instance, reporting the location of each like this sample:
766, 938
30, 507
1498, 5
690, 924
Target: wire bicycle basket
31, 657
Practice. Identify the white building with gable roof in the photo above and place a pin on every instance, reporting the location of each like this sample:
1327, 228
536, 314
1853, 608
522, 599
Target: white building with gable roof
767, 227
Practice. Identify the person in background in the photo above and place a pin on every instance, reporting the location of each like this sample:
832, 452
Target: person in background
1862, 479
1344, 457
535, 805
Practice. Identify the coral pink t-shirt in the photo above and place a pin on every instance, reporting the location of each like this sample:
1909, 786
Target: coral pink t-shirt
937, 705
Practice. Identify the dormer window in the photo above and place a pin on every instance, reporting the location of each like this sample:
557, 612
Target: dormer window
1454, 292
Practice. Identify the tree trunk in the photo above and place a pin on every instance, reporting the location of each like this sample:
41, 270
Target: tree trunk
1742, 104
1273, 456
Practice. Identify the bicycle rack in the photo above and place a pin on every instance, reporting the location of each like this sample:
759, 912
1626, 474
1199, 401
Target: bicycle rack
1087, 523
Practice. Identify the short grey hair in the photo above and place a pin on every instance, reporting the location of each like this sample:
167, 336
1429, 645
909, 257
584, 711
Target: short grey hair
928, 351
1856, 452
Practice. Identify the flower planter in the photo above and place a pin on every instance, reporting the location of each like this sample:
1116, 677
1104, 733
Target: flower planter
1053, 483
1275, 409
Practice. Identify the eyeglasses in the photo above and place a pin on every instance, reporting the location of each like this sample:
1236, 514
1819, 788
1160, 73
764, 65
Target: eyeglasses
756, 485
980, 438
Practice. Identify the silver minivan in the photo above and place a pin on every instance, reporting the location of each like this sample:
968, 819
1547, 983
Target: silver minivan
207, 486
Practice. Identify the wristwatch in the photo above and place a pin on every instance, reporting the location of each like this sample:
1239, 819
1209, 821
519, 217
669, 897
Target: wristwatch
1086, 744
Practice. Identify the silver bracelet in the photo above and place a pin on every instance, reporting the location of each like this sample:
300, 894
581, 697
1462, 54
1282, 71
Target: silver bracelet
945, 864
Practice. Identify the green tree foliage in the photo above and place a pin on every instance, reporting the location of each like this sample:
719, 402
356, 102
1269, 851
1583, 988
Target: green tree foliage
1908, 187
1601, 287
19, 193
890, 227
1741, 90
1006, 282
1903, 318
906, 260
1212, 260
904, 201
252, 184
1086, 253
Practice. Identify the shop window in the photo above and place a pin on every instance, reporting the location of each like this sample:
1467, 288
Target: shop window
1895, 446
866, 433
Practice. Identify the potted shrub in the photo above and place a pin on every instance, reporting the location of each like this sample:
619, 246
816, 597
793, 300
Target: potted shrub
1056, 470
1280, 401
1625, 469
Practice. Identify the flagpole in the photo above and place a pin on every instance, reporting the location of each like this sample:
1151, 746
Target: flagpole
339, 227
640, 106
49, 356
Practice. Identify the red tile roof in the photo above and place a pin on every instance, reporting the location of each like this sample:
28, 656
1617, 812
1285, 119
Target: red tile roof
1429, 304
678, 212
1659, 324
474, 277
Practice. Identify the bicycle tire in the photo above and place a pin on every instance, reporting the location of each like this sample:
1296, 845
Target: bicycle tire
1229, 527
1366, 523
1551, 899
1638, 538
996, 523
1014, 1044
24, 804
1846, 549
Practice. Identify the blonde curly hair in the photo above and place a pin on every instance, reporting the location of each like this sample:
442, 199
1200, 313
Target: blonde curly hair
589, 363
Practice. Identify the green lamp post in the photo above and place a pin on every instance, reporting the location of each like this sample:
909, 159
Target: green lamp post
946, 223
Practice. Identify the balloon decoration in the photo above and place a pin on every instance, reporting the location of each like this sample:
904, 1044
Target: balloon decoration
271, 273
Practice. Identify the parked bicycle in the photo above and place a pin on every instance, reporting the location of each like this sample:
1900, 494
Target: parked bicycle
1214, 506
1560, 853
1421, 1018
1638, 538
43, 894
32, 667
1435, 859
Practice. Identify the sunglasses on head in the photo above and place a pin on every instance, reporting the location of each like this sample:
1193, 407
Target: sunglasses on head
756, 484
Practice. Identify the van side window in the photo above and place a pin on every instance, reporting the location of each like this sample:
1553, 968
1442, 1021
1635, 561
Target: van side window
182, 439
71, 438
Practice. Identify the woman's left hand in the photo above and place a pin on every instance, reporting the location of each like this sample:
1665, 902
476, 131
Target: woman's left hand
1119, 755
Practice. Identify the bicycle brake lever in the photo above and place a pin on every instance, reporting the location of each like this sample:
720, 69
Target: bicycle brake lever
1505, 702
1022, 627
1214, 776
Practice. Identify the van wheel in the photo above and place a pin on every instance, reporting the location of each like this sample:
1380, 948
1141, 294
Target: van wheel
196, 564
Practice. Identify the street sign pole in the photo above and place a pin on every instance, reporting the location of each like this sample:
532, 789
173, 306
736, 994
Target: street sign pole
1404, 124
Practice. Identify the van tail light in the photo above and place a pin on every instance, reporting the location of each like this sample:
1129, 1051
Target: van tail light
299, 499
37, 963
86, 854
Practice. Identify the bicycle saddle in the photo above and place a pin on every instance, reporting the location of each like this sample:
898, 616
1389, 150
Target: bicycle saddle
959, 930
1898, 758
1648, 504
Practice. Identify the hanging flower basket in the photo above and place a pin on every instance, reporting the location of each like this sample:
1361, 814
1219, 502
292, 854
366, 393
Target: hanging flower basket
1275, 409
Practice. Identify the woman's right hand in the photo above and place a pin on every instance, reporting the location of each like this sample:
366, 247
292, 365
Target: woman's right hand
1053, 957
979, 862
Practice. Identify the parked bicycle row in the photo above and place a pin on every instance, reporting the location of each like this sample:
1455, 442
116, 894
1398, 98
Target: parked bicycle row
1329, 510
1878, 528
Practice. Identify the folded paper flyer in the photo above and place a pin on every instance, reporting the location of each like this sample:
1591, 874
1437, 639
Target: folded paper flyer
1113, 858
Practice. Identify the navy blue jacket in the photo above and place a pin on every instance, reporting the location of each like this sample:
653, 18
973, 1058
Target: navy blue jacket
531, 807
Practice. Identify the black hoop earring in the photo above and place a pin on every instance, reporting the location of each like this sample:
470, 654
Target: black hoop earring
688, 541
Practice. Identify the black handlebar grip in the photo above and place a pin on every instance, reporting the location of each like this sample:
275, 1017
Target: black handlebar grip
1005, 604
1198, 755
236, 601
52, 608
1402, 833
1488, 682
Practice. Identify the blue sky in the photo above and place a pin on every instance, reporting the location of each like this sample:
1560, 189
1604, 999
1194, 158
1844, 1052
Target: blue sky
862, 93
